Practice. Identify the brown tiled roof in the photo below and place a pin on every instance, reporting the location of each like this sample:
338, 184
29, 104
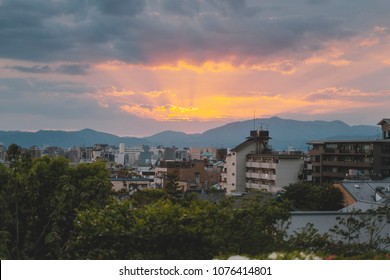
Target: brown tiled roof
384, 121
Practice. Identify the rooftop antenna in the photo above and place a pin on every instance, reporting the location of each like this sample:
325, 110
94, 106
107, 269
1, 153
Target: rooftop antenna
254, 119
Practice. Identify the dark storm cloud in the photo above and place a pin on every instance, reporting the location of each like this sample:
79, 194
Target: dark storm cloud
235, 8
145, 32
33, 69
318, 1
68, 69
119, 7
182, 8
73, 69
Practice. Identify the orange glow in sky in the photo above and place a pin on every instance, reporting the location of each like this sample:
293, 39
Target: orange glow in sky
192, 65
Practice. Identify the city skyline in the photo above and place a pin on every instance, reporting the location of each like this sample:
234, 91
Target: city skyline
141, 67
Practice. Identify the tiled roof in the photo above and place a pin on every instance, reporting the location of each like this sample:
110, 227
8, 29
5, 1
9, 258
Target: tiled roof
384, 121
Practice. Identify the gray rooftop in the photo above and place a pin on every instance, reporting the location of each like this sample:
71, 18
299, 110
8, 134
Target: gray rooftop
324, 221
366, 191
366, 194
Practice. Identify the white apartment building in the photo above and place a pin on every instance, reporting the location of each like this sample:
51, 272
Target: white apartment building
272, 172
252, 165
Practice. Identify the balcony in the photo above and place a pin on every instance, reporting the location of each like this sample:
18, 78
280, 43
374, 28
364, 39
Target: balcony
341, 151
266, 165
347, 164
339, 175
263, 176
253, 186
270, 188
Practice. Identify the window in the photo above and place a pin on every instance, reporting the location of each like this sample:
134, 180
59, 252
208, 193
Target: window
197, 177
386, 148
386, 160
385, 172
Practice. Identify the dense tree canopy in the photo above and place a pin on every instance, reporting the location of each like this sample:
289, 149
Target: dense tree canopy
39, 199
309, 197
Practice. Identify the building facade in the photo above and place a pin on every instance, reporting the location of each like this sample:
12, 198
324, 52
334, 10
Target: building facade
336, 160
272, 171
190, 175
253, 165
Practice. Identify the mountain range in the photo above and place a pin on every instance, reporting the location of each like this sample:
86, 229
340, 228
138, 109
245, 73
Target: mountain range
285, 133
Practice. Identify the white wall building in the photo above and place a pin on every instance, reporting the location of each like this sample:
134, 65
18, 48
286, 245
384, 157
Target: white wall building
252, 165
272, 171
120, 158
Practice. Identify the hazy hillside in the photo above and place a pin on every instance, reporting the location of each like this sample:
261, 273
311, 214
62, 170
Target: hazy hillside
284, 133
85, 137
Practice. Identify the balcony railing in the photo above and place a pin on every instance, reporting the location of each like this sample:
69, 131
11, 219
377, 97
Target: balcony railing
267, 165
261, 176
346, 163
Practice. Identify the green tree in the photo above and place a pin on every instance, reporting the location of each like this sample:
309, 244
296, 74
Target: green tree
308, 239
160, 230
308, 197
40, 198
13, 154
5, 213
360, 233
171, 185
145, 197
257, 227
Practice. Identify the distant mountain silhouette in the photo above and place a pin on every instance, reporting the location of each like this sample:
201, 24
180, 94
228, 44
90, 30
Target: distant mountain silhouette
290, 133
83, 138
285, 133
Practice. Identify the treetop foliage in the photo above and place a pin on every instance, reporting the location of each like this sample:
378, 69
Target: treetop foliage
309, 197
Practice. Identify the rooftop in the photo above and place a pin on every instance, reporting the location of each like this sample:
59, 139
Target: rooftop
367, 194
384, 121
341, 141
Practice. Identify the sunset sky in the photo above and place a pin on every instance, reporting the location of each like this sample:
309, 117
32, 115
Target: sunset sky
138, 67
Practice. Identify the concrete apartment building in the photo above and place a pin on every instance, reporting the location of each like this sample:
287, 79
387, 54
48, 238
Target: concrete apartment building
252, 165
336, 160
